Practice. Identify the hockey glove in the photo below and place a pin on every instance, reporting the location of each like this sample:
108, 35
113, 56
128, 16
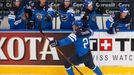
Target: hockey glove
113, 29
54, 43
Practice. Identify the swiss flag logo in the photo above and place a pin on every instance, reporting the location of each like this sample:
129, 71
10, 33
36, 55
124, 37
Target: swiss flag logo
105, 44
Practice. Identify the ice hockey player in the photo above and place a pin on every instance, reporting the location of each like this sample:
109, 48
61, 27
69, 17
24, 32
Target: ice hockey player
80, 38
42, 16
119, 21
90, 14
29, 12
66, 15
16, 18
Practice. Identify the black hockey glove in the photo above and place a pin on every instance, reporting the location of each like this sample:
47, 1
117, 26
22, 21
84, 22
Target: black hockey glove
54, 43
113, 29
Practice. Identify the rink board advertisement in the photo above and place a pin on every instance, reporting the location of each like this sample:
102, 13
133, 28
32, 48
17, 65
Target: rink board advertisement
30, 53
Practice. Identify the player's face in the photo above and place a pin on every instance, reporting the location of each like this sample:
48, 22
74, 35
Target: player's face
17, 3
43, 2
90, 7
123, 15
75, 28
67, 3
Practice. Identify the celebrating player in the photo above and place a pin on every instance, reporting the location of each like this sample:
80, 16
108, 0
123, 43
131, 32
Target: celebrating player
29, 12
16, 18
90, 15
66, 15
42, 16
119, 21
80, 38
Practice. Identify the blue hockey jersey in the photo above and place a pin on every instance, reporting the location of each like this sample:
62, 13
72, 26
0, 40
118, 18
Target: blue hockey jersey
92, 20
43, 16
66, 17
80, 40
86, 3
16, 18
116, 22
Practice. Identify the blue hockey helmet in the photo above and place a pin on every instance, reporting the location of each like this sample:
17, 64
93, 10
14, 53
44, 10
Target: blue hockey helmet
123, 9
87, 3
78, 23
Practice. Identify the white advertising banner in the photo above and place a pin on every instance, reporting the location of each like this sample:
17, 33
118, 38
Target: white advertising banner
113, 50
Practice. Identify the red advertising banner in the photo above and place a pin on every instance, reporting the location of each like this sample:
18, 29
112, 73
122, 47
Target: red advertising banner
31, 48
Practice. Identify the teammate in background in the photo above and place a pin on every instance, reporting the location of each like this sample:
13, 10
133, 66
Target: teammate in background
118, 21
66, 15
16, 18
89, 17
42, 16
29, 12
80, 38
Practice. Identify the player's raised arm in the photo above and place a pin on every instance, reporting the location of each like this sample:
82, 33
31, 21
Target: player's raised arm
63, 42
118, 21
16, 18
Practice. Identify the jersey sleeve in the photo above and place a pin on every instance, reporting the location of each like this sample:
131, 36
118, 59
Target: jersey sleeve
110, 22
11, 19
51, 12
71, 10
91, 32
68, 40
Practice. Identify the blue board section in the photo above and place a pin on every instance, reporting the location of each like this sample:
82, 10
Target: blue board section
53, 31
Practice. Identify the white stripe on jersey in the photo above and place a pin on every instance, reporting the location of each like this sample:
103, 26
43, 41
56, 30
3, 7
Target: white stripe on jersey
92, 33
94, 68
11, 16
72, 36
111, 19
68, 68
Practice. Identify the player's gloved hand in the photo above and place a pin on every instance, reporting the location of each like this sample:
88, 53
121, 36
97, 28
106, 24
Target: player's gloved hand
48, 18
54, 43
70, 11
114, 29
11, 16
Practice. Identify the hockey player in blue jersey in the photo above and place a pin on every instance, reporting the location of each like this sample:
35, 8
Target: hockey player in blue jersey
80, 38
66, 15
118, 21
90, 14
42, 16
29, 12
16, 18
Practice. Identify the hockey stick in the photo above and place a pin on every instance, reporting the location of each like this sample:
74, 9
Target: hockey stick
40, 29
66, 58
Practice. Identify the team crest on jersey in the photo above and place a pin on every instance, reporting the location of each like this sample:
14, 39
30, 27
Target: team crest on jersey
93, 18
39, 16
64, 17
